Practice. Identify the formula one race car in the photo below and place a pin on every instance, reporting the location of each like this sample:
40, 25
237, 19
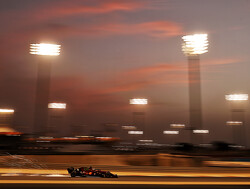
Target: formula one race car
85, 171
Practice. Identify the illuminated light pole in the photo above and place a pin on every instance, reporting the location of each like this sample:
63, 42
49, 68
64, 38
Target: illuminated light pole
55, 105
146, 141
177, 125
56, 115
238, 117
129, 127
125, 129
236, 97
7, 110
201, 131
193, 46
234, 123
170, 133
45, 49
43, 84
6, 117
135, 133
139, 112
138, 101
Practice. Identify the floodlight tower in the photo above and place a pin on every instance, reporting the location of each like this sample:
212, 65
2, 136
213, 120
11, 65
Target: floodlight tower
193, 46
6, 117
134, 135
56, 115
125, 129
237, 103
171, 134
139, 112
46, 51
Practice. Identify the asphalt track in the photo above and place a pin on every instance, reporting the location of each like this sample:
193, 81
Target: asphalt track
129, 177
142, 171
29, 182
63, 186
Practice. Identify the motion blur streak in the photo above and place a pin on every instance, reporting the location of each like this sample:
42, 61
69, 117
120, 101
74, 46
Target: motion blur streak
119, 182
140, 173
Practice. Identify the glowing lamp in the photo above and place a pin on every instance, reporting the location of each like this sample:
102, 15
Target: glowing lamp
45, 49
135, 132
236, 97
57, 105
175, 125
200, 131
7, 110
195, 44
138, 101
146, 141
128, 127
171, 132
234, 122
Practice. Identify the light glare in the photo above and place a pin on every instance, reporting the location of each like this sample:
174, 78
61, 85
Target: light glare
45, 49
128, 127
57, 105
232, 97
138, 101
145, 140
171, 132
7, 110
135, 132
234, 122
195, 44
200, 131
175, 125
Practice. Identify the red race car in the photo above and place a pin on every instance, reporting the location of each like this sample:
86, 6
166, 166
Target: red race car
89, 171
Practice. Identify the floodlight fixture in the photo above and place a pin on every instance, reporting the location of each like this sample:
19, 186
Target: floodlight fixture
138, 101
7, 110
177, 125
129, 127
45, 49
147, 141
171, 132
200, 131
135, 132
234, 123
236, 97
57, 105
195, 44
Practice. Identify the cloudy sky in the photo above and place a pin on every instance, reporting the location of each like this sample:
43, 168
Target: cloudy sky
114, 50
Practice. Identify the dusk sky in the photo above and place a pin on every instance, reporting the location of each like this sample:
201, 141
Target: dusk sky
114, 50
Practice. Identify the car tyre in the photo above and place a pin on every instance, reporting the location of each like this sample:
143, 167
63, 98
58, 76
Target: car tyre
73, 174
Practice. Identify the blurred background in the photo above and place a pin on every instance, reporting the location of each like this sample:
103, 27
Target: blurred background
144, 82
